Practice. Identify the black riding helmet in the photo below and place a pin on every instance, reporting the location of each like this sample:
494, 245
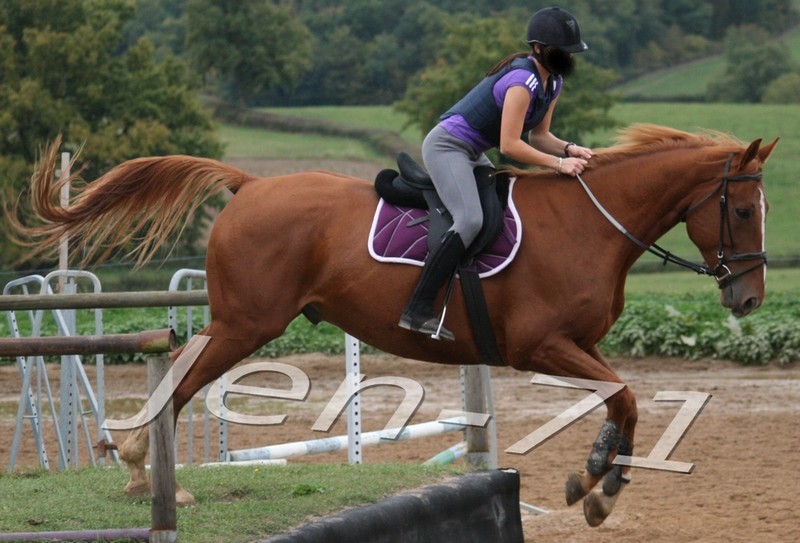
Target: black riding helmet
557, 27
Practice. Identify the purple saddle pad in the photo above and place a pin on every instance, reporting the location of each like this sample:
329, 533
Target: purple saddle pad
398, 236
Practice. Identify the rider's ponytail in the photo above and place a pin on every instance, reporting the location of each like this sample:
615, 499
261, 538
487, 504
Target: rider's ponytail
505, 62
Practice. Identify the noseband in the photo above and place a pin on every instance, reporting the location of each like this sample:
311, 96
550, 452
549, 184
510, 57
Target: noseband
721, 272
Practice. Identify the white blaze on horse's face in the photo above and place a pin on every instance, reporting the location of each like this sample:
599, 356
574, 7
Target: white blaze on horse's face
745, 292
763, 205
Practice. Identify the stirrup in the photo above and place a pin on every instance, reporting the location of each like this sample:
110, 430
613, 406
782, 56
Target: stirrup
431, 327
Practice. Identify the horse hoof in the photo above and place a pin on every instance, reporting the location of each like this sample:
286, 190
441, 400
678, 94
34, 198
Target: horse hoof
574, 488
596, 507
137, 489
183, 498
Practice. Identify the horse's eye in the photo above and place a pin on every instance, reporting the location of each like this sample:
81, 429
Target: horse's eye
743, 213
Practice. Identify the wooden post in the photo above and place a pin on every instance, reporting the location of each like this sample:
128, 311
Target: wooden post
162, 461
478, 446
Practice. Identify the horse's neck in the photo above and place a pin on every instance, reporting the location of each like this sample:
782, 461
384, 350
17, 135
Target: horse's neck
648, 196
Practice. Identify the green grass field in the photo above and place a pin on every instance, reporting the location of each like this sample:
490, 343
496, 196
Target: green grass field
780, 282
247, 142
234, 504
362, 116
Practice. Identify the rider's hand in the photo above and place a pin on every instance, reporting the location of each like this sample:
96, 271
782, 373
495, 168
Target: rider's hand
571, 166
578, 152
576, 159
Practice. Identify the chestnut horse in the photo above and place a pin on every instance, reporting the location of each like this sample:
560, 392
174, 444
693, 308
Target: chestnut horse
297, 244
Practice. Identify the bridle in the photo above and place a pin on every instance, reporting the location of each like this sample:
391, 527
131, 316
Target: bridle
721, 272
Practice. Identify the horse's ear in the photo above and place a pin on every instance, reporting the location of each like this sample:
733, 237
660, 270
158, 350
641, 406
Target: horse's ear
749, 154
764, 152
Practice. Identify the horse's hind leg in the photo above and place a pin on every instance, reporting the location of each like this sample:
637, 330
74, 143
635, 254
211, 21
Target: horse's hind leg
215, 358
134, 450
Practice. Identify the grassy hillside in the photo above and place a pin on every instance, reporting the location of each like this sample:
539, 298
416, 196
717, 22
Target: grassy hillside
362, 117
690, 79
687, 81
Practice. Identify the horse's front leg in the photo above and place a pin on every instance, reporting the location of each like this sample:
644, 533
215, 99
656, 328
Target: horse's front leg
599, 503
615, 438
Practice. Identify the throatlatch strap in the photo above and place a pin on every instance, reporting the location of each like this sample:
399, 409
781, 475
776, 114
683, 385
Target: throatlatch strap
478, 314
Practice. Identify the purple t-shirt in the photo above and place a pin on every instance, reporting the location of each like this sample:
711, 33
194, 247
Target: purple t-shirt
458, 126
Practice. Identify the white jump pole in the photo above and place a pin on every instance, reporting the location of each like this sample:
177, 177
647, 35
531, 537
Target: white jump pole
337, 443
63, 245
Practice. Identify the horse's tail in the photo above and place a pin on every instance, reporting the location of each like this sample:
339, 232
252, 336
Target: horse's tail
141, 200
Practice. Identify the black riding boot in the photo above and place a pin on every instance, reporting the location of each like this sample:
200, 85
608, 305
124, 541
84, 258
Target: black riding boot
440, 265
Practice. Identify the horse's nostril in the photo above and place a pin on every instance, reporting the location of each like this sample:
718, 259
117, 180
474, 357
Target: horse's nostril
750, 305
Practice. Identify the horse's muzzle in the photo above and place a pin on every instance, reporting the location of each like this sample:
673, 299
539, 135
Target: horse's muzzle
738, 301
750, 305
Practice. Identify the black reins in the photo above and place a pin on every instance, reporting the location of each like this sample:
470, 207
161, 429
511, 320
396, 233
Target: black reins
721, 272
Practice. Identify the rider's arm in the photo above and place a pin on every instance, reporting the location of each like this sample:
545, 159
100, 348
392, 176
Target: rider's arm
545, 150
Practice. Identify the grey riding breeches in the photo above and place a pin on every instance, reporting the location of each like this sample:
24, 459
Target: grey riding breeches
450, 163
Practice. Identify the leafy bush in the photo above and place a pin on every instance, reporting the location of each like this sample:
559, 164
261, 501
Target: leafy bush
784, 90
689, 328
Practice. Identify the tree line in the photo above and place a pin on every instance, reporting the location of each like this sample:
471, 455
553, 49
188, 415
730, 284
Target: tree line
366, 51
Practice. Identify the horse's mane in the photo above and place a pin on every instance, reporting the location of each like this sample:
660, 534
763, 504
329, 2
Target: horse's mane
639, 139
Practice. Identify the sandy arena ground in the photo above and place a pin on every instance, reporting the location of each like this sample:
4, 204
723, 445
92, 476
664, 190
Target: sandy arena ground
745, 444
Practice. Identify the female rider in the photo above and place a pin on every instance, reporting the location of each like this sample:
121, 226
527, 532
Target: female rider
516, 96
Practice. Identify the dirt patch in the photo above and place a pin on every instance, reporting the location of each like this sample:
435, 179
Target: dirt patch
744, 445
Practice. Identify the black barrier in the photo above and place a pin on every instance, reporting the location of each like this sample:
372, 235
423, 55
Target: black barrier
476, 508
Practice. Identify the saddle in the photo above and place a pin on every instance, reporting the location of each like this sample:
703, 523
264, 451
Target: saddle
412, 187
